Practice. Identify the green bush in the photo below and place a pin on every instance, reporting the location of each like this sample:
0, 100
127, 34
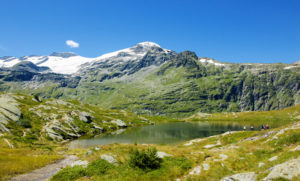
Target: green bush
69, 174
145, 159
25, 123
98, 167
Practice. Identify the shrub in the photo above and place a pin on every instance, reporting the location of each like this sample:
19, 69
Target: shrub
145, 159
69, 174
98, 167
25, 123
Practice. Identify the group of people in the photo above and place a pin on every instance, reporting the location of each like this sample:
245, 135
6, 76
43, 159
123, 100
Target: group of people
263, 127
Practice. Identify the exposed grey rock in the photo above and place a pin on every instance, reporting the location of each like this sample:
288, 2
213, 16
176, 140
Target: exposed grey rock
79, 163
273, 158
195, 171
205, 166
109, 159
9, 110
223, 157
261, 164
297, 148
161, 154
288, 170
97, 127
97, 148
250, 176
85, 117
119, 123
57, 131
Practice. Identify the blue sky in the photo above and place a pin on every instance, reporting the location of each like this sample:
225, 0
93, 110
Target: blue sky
263, 31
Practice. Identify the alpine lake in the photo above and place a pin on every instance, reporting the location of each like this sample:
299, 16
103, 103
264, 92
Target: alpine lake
165, 133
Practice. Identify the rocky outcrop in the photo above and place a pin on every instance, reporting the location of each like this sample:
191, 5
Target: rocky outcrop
289, 170
250, 176
9, 111
119, 123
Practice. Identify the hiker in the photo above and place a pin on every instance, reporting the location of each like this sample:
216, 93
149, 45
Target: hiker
252, 128
245, 128
263, 126
267, 126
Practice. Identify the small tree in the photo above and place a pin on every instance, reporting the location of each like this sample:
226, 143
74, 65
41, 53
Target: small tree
145, 159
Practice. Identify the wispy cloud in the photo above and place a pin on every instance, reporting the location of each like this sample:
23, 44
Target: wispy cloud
72, 44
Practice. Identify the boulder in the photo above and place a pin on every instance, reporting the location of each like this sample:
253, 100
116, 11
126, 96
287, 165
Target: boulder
119, 123
109, 159
250, 176
261, 164
161, 154
195, 171
85, 117
205, 166
79, 163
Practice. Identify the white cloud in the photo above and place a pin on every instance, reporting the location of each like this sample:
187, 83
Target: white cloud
72, 44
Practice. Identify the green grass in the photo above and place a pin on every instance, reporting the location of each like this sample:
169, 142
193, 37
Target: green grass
23, 159
273, 118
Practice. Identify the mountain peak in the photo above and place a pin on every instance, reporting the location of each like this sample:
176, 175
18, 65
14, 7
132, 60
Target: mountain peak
63, 54
148, 44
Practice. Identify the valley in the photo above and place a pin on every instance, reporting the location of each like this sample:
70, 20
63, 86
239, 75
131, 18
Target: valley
106, 118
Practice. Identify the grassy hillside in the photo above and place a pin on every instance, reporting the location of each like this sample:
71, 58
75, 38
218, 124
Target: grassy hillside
256, 118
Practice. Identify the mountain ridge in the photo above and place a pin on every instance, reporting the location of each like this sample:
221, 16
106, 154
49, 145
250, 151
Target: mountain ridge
148, 79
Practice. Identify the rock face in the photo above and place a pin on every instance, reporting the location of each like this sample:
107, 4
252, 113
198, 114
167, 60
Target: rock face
288, 170
250, 176
9, 111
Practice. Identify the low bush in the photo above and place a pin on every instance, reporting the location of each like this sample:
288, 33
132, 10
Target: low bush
145, 159
98, 167
69, 174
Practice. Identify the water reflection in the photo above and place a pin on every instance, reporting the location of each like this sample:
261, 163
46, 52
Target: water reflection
169, 133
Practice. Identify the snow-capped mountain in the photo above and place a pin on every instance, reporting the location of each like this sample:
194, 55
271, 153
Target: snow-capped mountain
69, 63
64, 63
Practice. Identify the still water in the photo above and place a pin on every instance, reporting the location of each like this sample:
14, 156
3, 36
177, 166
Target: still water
167, 133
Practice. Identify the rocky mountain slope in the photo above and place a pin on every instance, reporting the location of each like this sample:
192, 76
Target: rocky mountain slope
31, 119
149, 79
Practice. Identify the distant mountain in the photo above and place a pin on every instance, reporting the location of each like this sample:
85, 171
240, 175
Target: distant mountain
149, 79
297, 62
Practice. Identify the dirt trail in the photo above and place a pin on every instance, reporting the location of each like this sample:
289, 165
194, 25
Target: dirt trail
47, 171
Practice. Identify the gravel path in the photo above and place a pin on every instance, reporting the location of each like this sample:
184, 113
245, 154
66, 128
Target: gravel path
47, 171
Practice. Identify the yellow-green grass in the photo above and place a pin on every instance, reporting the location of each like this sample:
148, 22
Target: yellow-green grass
23, 158
273, 118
